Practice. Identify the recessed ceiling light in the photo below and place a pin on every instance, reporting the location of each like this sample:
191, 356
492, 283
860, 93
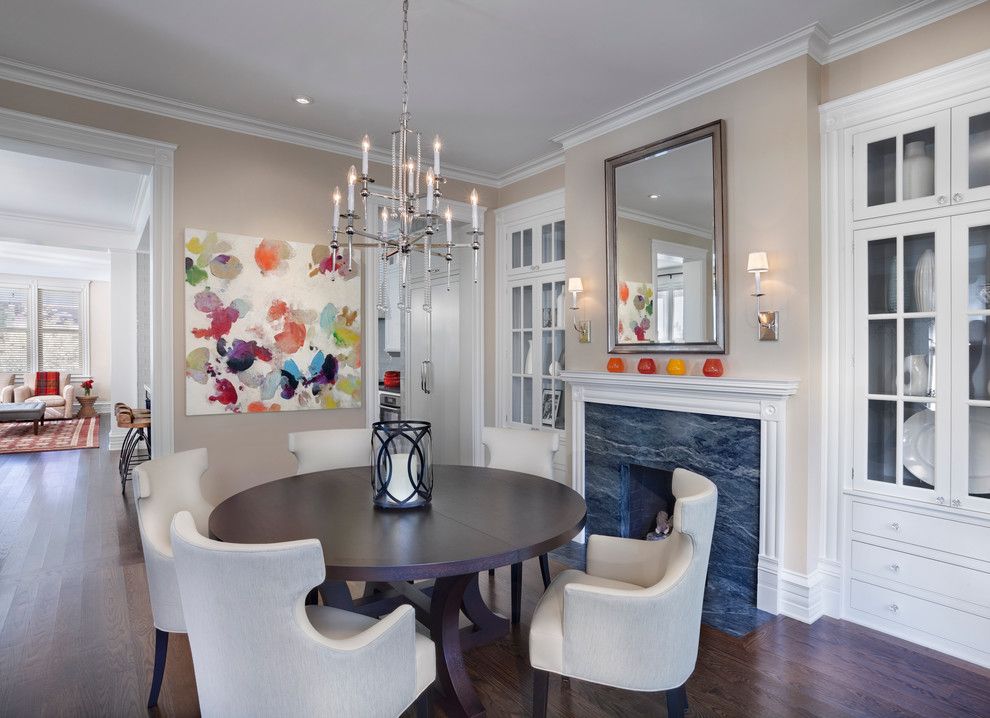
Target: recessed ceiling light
304, 100
654, 196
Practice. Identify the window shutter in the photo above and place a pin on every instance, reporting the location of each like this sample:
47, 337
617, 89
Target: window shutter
60, 344
13, 329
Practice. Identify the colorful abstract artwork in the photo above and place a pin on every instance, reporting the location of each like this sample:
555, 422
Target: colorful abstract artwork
636, 312
268, 328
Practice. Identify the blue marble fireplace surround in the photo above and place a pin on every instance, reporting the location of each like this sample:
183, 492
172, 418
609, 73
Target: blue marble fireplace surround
619, 440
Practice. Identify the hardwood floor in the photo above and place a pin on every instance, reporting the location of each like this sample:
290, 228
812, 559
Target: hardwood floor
76, 636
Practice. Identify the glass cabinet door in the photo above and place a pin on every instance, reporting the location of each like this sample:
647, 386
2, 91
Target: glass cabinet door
971, 362
902, 436
523, 355
552, 362
971, 152
903, 167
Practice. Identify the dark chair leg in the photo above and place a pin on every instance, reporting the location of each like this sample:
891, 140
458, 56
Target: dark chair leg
545, 569
516, 593
491, 572
161, 648
541, 685
676, 702
423, 704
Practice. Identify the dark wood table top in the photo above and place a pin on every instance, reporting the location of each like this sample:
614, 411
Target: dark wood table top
478, 519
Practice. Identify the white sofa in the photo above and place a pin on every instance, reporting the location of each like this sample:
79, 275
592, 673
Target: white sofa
57, 406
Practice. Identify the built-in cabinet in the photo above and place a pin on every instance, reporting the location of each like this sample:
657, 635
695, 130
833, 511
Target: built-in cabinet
532, 317
916, 500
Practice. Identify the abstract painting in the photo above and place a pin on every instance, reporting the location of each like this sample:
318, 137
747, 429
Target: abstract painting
268, 326
635, 312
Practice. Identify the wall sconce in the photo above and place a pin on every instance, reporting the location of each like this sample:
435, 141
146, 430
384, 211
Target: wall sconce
582, 326
768, 321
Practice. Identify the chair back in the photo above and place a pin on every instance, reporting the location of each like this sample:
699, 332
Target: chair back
166, 486
330, 449
255, 652
30, 378
522, 450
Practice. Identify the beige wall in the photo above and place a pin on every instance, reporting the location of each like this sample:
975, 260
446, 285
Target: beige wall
772, 174
99, 339
956, 36
245, 185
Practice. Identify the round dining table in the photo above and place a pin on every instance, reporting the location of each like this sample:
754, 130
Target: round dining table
478, 519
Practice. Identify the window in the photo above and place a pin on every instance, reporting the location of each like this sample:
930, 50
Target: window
43, 325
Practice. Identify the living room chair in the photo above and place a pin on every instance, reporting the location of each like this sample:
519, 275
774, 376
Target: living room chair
633, 620
259, 651
6, 388
528, 452
166, 486
327, 449
57, 406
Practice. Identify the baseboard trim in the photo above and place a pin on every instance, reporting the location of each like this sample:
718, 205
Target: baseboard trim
116, 438
801, 596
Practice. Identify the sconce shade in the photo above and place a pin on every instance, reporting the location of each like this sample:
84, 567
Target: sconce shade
758, 262
574, 284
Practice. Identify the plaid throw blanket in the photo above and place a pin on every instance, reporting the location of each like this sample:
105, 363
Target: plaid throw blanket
46, 383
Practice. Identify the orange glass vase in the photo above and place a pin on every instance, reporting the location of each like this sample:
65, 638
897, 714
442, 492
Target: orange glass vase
677, 367
616, 365
713, 367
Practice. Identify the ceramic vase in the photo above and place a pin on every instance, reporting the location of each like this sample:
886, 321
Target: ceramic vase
646, 366
616, 365
676, 367
713, 367
919, 171
916, 375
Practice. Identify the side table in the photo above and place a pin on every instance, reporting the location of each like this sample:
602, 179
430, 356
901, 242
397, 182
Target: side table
86, 408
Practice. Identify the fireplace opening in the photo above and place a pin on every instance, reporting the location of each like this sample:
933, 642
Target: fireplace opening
644, 492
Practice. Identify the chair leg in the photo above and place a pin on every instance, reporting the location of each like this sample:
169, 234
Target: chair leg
161, 648
541, 685
545, 569
676, 702
491, 572
423, 704
516, 592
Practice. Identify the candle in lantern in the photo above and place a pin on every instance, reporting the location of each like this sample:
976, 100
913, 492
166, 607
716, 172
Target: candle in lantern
449, 216
384, 221
336, 208
365, 146
436, 155
410, 186
429, 192
351, 179
474, 209
401, 485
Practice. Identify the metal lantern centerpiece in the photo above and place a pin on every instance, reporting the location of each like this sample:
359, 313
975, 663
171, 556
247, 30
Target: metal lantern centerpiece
402, 468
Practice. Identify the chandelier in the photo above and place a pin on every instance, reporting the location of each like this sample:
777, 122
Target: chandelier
404, 204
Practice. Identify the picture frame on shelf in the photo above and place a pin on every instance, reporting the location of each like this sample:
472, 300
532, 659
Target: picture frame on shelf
552, 399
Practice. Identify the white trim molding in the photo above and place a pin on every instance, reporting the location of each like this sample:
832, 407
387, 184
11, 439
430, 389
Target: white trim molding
763, 399
145, 155
657, 221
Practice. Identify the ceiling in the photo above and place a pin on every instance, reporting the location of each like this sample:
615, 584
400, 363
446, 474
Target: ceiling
50, 200
682, 177
496, 80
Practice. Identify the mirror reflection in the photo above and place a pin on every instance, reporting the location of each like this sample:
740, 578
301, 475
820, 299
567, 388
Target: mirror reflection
666, 229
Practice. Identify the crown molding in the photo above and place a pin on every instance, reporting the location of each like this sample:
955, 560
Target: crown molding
658, 221
892, 24
531, 168
812, 40
25, 74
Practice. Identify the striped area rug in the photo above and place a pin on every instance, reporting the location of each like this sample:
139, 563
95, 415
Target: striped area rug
55, 435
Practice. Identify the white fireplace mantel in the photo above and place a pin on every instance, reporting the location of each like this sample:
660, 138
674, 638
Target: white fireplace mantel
763, 399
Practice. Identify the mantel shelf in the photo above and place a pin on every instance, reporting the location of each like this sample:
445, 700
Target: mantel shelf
753, 388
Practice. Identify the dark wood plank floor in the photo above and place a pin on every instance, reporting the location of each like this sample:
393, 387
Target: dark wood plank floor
76, 636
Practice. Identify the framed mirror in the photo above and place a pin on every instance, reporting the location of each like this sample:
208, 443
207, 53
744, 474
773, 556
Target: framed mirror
665, 235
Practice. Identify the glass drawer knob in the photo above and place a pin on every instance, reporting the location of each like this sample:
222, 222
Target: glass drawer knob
957, 197
895, 567
894, 608
895, 526
956, 502
940, 499
942, 199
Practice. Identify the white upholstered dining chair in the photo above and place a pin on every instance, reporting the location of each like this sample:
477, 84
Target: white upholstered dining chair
166, 486
528, 452
268, 654
330, 449
634, 619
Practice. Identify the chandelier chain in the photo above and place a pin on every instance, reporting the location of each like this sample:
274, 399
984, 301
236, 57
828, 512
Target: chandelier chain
405, 61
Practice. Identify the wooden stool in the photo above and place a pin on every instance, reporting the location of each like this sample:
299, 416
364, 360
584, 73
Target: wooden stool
138, 425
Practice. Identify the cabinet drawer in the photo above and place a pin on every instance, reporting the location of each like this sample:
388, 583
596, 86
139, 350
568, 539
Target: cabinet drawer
932, 532
928, 574
959, 626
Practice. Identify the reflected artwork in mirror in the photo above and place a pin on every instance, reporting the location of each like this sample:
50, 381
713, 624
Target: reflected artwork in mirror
666, 241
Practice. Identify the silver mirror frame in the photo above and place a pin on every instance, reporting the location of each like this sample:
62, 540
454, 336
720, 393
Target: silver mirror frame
716, 131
